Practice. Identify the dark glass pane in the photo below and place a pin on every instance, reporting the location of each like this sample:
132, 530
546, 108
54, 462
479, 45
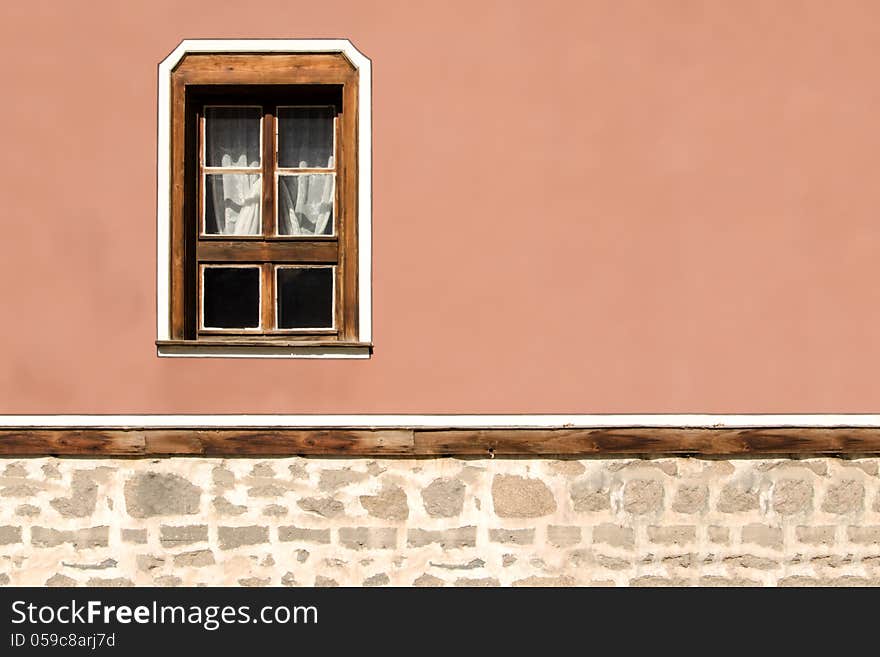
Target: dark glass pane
305, 137
231, 297
305, 297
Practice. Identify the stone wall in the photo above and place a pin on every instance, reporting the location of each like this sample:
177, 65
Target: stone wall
434, 522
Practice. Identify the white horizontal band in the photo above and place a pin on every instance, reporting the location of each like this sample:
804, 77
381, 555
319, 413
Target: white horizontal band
590, 421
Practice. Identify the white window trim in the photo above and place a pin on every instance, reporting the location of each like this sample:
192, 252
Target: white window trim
489, 421
365, 203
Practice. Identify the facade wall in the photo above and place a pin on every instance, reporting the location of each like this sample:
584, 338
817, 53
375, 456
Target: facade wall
593, 206
578, 207
440, 522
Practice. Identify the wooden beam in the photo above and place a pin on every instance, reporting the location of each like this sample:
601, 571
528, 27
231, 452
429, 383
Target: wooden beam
637, 440
71, 442
275, 68
273, 251
414, 442
204, 442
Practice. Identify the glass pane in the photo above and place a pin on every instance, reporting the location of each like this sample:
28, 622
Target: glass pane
305, 137
305, 297
232, 136
231, 297
232, 204
305, 204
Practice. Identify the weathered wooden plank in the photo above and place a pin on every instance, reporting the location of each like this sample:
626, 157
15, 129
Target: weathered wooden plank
270, 217
267, 298
347, 203
265, 69
273, 251
204, 442
416, 442
178, 222
271, 340
71, 442
274, 442
646, 440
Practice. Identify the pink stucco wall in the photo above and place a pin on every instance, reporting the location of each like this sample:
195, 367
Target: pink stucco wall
578, 207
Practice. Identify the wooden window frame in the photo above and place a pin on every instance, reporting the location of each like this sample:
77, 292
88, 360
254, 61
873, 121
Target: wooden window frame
269, 74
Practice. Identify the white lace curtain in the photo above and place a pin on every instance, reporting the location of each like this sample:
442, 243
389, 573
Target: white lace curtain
233, 200
232, 139
306, 204
305, 140
237, 200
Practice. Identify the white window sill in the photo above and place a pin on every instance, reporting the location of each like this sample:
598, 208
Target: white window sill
218, 349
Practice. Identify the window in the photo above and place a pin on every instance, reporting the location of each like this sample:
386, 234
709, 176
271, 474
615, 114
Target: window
264, 204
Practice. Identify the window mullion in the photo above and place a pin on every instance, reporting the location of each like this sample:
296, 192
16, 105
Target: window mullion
268, 297
269, 218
